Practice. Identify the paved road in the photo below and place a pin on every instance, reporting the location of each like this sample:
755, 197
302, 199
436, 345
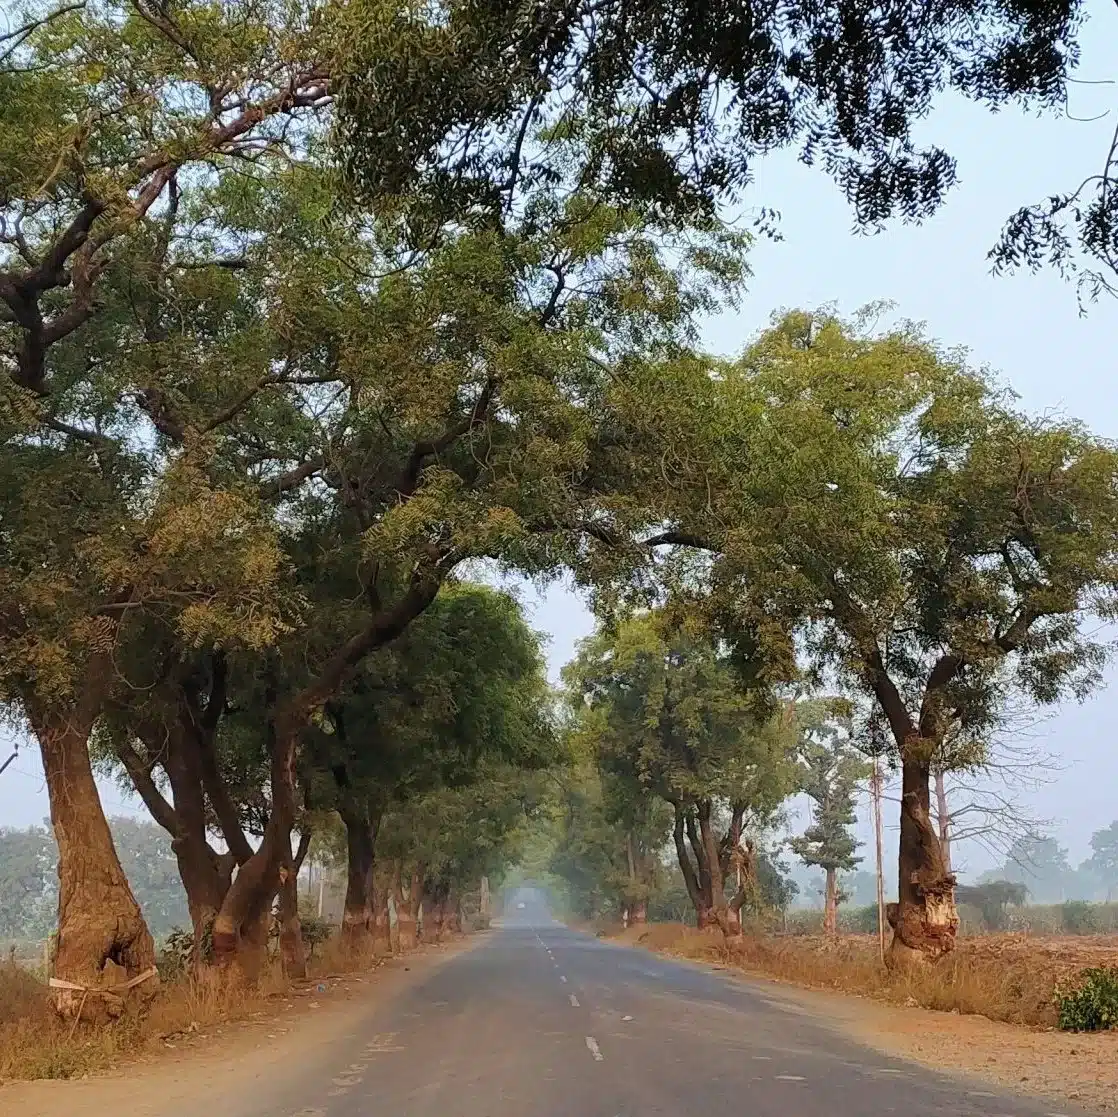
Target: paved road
540, 1021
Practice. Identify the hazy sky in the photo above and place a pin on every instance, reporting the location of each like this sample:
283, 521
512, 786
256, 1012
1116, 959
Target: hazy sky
1027, 328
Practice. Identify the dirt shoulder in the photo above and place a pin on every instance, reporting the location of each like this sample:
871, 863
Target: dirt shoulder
232, 1061
1059, 1066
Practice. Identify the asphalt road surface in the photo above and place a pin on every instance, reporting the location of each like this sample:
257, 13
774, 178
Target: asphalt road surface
540, 1021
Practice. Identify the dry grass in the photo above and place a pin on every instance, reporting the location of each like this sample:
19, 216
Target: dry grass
1008, 978
35, 1043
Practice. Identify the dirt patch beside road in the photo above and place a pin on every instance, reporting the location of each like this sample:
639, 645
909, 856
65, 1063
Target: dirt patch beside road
1062, 1066
234, 1062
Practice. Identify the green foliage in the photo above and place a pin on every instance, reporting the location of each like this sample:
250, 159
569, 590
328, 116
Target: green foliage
314, 929
936, 547
679, 101
775, 888
29, 878
831, 770
176, 954
27, 882
1078, 917
1103, 862
1091, 1004
668, 713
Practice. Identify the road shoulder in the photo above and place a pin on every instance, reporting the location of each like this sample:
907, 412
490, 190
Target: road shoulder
1059, 1066
236, 1062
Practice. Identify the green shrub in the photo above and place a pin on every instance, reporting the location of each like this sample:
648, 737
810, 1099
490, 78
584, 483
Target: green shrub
175, 958
315, 931
1092, 1005
861, 920
1079, 918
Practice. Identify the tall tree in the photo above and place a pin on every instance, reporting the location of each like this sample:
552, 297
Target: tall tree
111, 113
672, 717
608, 830
1041, 865
831, 772
464, 686
875, 504
1103, 862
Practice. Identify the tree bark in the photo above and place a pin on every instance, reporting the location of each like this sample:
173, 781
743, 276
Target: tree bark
358, 914
406, 905
924, 920
830, 903
690, 877
292, 950
103, 941
484, 903
258, 881
205, 873
728, 923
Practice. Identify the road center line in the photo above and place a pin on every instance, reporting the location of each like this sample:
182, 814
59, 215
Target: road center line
592, 1047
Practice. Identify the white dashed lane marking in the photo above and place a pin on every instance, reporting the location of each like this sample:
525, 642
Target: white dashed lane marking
790, 1078
562, 979
592, 1047
574, 1001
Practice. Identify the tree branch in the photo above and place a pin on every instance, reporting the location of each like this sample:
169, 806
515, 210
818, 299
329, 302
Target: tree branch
409, 478
382, 628
944, 670
292, 479
140, 775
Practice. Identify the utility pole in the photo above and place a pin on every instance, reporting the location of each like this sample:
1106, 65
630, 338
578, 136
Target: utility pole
876, 794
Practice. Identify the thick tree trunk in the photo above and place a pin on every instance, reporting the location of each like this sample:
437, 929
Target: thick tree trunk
250, 897
432, 921
358, 914
406, 910
103, 942
206, 877
205, 874
485, 904
292, 950
925, 920
830, 903
728, 922
699, 900
382, 931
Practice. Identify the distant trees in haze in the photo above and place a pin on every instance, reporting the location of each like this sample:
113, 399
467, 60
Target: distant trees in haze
29, 878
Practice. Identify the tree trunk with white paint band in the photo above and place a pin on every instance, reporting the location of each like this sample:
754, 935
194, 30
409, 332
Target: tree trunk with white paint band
103, 942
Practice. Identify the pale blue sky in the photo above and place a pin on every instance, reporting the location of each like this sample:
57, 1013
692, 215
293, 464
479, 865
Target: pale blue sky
1026, 327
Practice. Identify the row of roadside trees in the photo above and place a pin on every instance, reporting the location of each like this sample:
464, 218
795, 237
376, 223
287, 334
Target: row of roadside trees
304, 309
